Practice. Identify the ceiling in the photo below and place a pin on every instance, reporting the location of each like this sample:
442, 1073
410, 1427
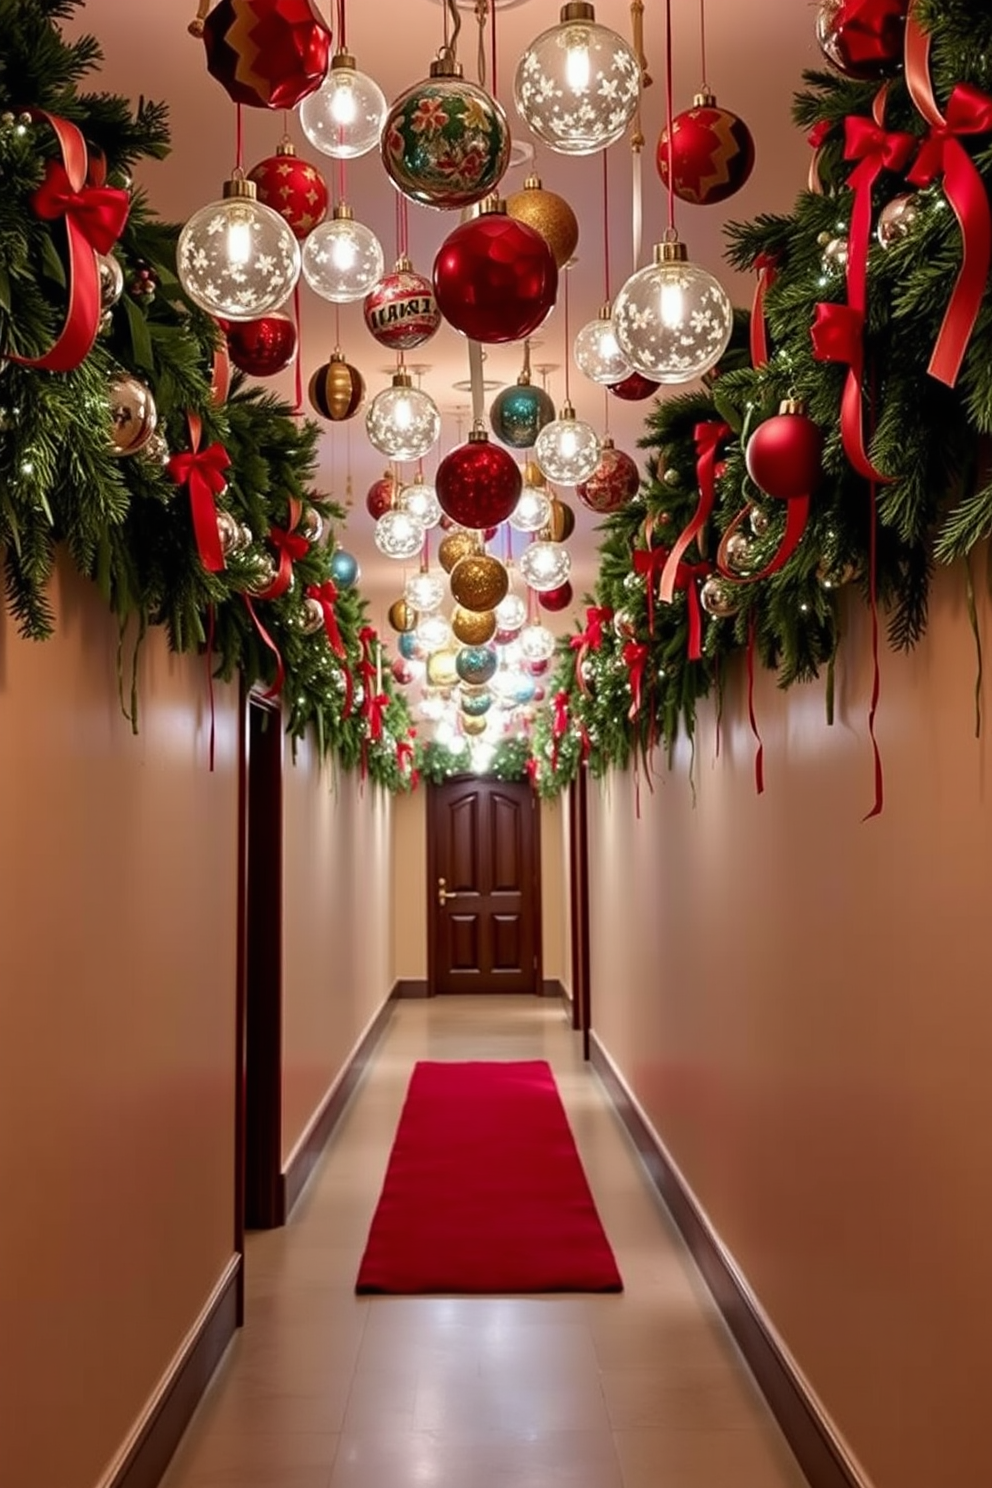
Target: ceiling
756, 52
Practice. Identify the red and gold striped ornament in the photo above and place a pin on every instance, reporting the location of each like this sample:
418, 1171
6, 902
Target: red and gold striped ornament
712, 153
266, 53
292, 187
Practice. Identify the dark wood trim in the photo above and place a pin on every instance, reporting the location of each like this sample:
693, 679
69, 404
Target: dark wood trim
409, 987
305, 1156
818, 1452
553, 987
241, 998
147, 1456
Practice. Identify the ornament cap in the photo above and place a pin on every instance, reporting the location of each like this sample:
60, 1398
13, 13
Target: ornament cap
792, 405
673, 250
578, 10
342, 212
342, 61
337, 355
402, 378
491, 205
403, 265
532, 183
704, 98
446, 64
477, 435
605, 311
606, 443
567, 410
240, 186
285, 146
523, 378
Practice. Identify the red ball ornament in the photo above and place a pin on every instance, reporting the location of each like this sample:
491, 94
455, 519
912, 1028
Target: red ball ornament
634, 388
478, 484
783, 454
495, 278
613, 483
337, 389
556, 599
292, 187
401, 311
381, 494
711, 156
266, 53
862, 39
262, 347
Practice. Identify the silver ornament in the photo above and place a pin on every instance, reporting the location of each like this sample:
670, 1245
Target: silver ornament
737, 553
834, 255
671, 477
264, 575
760, 521
311, 525
229, 532
897, 218
111, 280
311, 616
718, 598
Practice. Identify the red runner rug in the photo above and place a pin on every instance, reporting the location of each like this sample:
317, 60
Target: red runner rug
485, 1191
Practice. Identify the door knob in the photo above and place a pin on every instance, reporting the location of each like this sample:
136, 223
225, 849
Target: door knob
443, 893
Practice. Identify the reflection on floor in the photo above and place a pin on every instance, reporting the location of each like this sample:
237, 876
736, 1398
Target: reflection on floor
325, 1390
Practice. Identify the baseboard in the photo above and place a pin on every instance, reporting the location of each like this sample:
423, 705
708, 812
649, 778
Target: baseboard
303, 1158
144, 1457
553, 987
409, 987
816, 1443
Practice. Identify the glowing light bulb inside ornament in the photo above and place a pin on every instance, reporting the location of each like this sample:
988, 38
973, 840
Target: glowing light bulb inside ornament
424, 591
237, 258
433, 632
402, 421
344, 117
567, 449
672, 305
532, 511
342, 258
577, 85
399, 535
673, 320
511, 613
545, 565
578, 68
596, 352
536, 643
420, 500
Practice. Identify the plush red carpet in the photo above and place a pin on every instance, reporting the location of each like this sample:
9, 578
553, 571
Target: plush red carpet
485, 1191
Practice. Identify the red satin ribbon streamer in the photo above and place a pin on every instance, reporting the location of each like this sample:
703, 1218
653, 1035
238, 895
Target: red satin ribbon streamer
559, 725
838, 330
765, 264
796, 518
290, 547
969, 112
203, 472
405, 756
375, 711
635, 656
708, 437
816, 139
94, 219
532, 768
590, 639
650, 562
759, 758
276, 688
688, 577
326, 595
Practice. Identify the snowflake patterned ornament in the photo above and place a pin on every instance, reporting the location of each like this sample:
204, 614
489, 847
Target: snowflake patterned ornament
577, 86
673, 319
236, 258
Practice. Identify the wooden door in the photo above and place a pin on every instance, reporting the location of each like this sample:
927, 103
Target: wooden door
484, 894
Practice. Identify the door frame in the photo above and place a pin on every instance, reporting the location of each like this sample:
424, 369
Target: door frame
432, 876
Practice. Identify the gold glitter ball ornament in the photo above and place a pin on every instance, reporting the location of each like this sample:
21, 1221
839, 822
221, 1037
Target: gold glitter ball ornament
549, 214
453, 546
473, 628
402, 616
479, 582
441, 669
472, 725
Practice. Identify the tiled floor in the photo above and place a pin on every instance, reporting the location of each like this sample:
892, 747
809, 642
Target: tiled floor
322, 1389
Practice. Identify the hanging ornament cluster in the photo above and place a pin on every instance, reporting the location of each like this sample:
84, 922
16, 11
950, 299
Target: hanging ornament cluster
266, 53
708, 155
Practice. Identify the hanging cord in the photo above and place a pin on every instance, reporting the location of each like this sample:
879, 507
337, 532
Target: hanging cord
568, 344
670, 116
342, 27
637, 132
482, 16
492, 12
702, 45
239, 138
298, 374
475, 360
451, 37
525, 369
606, 232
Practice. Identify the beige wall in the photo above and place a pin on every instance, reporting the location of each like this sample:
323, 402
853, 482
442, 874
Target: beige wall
117, 1047
800, 1001
337, 914
554, 893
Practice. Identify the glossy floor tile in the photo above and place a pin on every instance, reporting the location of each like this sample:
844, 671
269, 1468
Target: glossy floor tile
322, 1389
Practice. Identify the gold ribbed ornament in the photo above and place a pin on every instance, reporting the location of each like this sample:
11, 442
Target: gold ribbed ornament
473, 725
473, 628
548, 214
441, 669
455, 545
337, 389
479, 582
534, 476
561, 524
402, 616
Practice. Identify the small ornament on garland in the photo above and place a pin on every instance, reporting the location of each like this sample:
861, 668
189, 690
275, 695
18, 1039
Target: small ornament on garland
234, 538
311, 525
862, 39
738, 553
111, 280
311, 616
265, 53
835, 253
613, 483
292, 187
144, 283
133, 416
897, 219
344, 569
718, 598
337, 389
263, 347
783, 458
710, 155
400, 310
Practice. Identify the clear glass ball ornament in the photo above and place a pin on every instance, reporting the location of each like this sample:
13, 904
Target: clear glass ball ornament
596, 352
420, 500
567, 449
424, 592
511, 613
399, 535
577, 85
236, 258
344, 117
402, 421
672, 319
545, 565
342, 258
433, 632
532, 511
536, 643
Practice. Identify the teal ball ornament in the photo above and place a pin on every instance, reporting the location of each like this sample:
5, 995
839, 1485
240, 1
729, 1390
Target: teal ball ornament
476, 664
408, 646
344, 569
476, 704
519, 413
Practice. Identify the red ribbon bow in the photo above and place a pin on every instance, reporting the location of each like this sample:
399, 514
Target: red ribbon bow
405, 756
635, 656
559, 725
290, 547
590, 639
375, 709
326, 595
99, 213
203, 472
708, 436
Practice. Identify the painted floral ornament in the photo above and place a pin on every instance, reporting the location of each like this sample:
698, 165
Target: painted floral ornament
401, 311
613, 483
445, 142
